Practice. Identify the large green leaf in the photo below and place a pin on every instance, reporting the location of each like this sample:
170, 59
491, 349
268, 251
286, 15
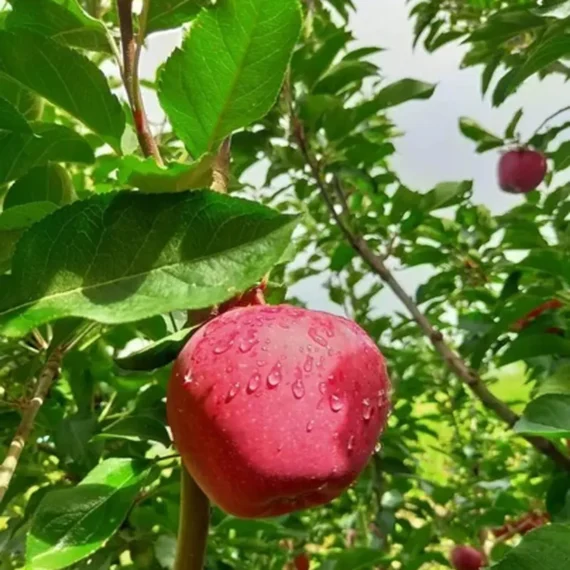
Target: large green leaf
27, 103
484, 139
125, 256
65, 78
71, 524
62, 20
20, 152
445, 194
148, 176
168, 14
49, 183
531, 346
546, 548
548, 415
229, 70
12, 120
135, 428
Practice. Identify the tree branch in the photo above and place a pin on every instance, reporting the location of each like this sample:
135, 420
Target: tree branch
221, 168
47, 376
131, 57
453, 360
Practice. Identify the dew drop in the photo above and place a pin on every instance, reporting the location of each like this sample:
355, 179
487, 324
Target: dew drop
310, 426
336, 403
308, 366
314, 334
321, 362
378, 448
220, 349
350, 445
323, 388
188, 378
232, 393
246, 345
298, 389
368, 409
279, 448
274, 376
329, 331
330, 377
229, 369
254, 383
381, 398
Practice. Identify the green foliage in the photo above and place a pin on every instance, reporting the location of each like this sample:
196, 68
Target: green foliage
106, 249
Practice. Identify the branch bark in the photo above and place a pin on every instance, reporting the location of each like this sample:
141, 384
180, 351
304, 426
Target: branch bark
221, 168
453, 360
48, 375
131, 47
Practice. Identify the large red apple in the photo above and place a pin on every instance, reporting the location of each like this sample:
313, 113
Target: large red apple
521, 170
467, 558
275, 409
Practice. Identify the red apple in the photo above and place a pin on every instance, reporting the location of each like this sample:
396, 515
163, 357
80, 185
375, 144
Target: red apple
467, 558
276, 409
521, 170
551, 305
302, 562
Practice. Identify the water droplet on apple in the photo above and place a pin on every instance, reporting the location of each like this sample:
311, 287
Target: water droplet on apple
336, 403
350, 445
188, 378
310, 426
378, 448
323, 388
232, 393
314, 334
308, 366
298, 389
254, 383
247, 344
274, 376
368, 409
221, 348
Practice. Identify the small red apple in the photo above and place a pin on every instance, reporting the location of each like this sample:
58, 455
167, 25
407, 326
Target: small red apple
302, 562
551, 305
276, 409
521, 170
467, 558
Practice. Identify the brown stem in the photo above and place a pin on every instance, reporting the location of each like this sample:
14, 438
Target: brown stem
47, 376
131, 55
193, 527
221, 168
456, 364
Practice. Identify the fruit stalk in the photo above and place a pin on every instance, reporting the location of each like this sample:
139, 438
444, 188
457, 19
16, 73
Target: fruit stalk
455, 363
193, 525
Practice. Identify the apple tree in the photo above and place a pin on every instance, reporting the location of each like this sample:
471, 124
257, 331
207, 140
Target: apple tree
153, 288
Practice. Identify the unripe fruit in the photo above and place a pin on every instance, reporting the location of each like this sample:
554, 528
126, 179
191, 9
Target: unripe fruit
467, 558
521, 170
276, 409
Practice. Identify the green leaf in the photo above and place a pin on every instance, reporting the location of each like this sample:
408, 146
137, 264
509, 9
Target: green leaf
19, 152
548, 415
342, 256
345, 75
506, 25
65, 78
62, 20
126, 256
547, 548
71, 524
157, 354
512, 126
533, 345
253, 41
12, 120
168, 14
544, 54
357, 558
561, 156
49, 183
72, 437
14, 222
474, 131
446, 194
394, 94
148, 176
27, 103
135, 428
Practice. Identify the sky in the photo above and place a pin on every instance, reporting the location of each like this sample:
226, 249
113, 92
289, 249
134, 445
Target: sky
431, 149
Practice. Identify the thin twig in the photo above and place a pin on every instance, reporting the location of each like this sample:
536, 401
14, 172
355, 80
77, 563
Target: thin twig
455, 363
47, 376
131, 57
549, 118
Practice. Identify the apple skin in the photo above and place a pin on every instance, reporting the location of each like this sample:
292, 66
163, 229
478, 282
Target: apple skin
521, 170
467, 558
277, 409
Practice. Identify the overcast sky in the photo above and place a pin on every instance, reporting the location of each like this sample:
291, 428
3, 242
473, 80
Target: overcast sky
432, 149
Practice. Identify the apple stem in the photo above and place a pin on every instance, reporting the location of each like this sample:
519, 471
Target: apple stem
194, 524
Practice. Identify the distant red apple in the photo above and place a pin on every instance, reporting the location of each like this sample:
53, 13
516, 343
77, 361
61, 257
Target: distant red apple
276, 409
551, 305
302, 562
467, 558
521, 170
